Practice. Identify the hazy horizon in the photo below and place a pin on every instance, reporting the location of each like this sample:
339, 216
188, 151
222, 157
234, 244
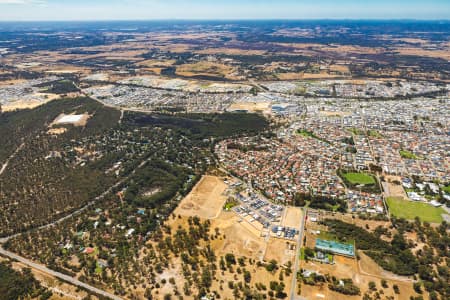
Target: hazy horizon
227, 20
140, 10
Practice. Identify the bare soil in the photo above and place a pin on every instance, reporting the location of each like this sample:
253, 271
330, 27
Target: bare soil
206, 199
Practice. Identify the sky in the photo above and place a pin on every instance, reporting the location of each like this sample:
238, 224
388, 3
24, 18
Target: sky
25, 10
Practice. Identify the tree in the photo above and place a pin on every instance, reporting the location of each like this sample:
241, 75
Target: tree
396, 289
417, 287
433, 295
247, 276
272, 265
148, 294
309, 252
230, 259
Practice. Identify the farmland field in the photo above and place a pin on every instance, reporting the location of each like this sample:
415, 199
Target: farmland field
409, 210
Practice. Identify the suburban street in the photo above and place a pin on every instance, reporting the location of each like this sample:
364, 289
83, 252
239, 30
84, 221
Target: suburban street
293, 295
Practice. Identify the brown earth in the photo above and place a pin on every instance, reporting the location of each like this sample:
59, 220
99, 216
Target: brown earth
206, 199
292, 217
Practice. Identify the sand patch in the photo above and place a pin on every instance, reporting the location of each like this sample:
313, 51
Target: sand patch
250, 106
71, 119
395, 190
292, 217
206, 199
280, 250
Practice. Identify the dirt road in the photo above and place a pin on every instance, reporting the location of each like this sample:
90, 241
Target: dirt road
5, 165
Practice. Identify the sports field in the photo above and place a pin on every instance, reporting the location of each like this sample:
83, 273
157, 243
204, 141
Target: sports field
359, 178
409, 210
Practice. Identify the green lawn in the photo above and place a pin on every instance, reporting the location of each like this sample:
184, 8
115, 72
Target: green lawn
326, 235
374, 133
230, 205
306, 133
357, 131
302, 253
359, 178
409, 210
98, 269
408, 154
446, 189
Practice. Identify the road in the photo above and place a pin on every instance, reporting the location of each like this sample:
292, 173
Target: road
58, 275
5, 165
43, 268
80, 210
293, 295
121, 109
2, 170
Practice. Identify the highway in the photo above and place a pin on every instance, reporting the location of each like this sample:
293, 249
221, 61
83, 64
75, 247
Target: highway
58, 275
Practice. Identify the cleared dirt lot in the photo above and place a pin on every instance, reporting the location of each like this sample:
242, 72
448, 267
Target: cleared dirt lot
395, 190
205, 200
377, 273
239, 239
236, 236
251, 106
292, 217
281, 250
335, 113
344, 268
41, 98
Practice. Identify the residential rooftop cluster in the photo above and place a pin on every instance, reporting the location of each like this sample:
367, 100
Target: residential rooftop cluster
384, 138
258, 209
352, 89
281, 169
157, 99
185, 85
25, 91
381, 131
